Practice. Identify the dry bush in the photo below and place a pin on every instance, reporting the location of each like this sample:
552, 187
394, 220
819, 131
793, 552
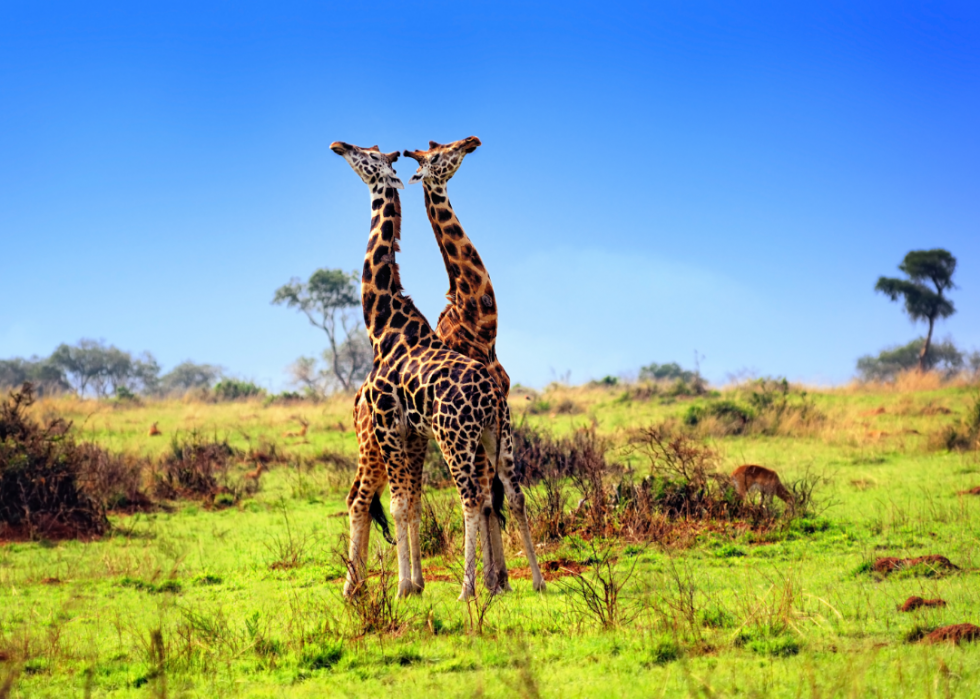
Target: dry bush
599, 592
41, 488
373, 608
553, 462
441, 526
115, 480
195, 467
963, 435
762, 406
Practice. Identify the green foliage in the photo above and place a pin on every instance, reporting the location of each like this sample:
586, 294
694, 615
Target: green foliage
322, 657
663, 650
188, 376
169, 586
666, 372
731, 413
894, 360
232, 389
779, 645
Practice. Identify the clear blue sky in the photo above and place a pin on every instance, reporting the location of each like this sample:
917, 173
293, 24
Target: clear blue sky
655, 178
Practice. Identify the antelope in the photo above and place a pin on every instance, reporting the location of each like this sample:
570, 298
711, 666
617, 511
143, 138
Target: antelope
154, 432
254, 475
750, 477
302, 432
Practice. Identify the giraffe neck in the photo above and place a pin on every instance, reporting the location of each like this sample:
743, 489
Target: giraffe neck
471, 315
388, 313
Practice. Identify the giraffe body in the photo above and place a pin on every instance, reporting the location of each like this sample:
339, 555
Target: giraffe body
418, 388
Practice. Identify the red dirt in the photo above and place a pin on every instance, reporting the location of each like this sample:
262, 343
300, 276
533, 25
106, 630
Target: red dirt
550, 570
50, 581
954, 634
890, 564
913, 603
975, 490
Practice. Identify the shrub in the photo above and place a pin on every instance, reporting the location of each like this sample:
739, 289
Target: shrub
41, 487
232, 389
193, 468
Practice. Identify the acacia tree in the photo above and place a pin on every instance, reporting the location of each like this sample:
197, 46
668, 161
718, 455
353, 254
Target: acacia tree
921, 302
331, 301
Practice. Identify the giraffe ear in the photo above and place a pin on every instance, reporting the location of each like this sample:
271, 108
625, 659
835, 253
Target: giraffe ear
419, 175
433, 144
395, 182
393, 156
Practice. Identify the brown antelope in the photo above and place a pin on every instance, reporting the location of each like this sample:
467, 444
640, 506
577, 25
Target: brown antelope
154, 432
302, 432
750, 477
254, 475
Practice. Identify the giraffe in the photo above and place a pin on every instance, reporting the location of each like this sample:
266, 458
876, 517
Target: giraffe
468, 323
419, 388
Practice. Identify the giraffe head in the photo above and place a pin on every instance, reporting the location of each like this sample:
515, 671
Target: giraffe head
438, 164
371, 164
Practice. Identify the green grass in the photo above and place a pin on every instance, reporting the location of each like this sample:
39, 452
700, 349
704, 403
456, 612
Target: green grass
193, 603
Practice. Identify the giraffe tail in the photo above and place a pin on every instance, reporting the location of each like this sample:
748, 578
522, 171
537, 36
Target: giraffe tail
377, 512
497, 485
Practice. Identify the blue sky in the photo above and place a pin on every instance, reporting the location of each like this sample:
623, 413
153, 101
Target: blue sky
655, 179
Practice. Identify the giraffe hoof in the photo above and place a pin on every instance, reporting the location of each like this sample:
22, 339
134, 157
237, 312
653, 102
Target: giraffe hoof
466, 595
419, 586
405, 588
539, 586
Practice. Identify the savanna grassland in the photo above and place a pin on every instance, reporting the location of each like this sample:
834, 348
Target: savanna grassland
239, 593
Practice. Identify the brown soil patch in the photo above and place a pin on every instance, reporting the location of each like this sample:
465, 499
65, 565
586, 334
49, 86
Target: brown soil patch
50, 581
954, 634
877, 411
433, 573
890, 564
913, 603
550, 570
975, 490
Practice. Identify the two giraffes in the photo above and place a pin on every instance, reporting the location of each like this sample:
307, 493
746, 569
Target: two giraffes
445, 384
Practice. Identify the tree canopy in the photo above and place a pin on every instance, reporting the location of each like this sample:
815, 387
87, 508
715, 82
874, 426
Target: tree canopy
922, 303
331, 301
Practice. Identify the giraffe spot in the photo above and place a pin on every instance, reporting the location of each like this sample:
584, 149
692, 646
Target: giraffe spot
398, 321
366, 275
445, 215
432, 212
374, 220
437, 199
387, 229
453, 230
389, 193
376, 204
450, 249
389, 210
487, 301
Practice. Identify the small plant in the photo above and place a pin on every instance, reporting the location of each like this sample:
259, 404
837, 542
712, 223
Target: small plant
372, 608
598, 594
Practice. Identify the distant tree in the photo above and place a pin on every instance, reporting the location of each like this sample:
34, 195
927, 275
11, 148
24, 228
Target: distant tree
890, 362
922, 303
105, 369
666, 372
46, 377
187, 376
331, 301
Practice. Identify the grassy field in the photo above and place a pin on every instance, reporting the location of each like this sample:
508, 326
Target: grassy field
246, 600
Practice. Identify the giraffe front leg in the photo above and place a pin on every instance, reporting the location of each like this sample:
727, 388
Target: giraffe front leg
400, 512
500, 563
418, 580
471, 526
515, 498
417, 448
486, 545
